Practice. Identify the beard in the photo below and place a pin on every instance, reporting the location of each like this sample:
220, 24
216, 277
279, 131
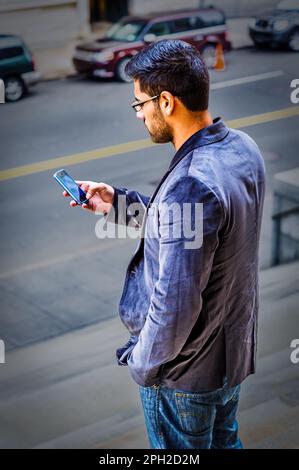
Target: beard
161, 132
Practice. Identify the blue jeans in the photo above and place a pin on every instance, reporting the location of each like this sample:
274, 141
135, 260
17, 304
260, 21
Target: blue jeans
177, 419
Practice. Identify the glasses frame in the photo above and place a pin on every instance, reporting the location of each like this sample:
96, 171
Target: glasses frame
138, 105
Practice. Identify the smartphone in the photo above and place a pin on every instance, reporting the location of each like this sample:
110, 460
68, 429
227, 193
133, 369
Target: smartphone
70, 185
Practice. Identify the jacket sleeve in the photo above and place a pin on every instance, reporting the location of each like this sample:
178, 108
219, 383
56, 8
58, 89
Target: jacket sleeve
188, 239
128, 207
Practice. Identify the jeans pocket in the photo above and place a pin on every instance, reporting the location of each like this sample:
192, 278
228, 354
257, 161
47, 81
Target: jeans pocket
195, 418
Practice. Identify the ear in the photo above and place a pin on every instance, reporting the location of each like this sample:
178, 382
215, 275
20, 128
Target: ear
167, 103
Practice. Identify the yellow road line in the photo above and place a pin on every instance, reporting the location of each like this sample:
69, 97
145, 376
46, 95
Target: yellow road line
265, 117
74, 159
68, 160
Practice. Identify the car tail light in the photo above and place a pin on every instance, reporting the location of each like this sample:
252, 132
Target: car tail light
33, 61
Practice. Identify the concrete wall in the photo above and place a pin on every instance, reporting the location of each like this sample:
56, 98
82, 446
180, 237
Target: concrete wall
45, 23
233, 8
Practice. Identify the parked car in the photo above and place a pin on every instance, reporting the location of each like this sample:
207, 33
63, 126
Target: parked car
280, 28
17, 68
108, 56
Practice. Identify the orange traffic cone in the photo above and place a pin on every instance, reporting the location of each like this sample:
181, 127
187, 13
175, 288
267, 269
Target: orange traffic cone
219, 62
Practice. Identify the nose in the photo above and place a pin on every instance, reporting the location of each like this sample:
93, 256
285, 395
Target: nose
140, 114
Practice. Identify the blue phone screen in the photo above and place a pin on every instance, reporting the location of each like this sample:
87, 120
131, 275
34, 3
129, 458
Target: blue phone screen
71, 186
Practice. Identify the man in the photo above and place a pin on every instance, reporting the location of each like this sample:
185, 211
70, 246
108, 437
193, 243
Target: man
190, 306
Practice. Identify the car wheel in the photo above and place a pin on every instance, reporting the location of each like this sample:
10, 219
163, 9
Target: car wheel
120, 70
294, 41
208, 53
14, 89
261, 45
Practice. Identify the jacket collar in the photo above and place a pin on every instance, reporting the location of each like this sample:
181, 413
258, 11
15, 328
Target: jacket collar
208, 135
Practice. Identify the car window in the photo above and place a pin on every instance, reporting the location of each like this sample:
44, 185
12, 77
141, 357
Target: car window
212, 18
10, 52
161, 28
126, 31
186, 24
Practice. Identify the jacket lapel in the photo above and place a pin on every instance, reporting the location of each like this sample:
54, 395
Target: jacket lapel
208, 135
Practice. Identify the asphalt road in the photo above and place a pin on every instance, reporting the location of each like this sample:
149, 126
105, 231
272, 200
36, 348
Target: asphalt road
55, 274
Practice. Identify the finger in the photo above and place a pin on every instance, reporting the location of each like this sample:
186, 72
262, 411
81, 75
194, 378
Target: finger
92, 189
84, 186
73, 203
86, 207
65, 193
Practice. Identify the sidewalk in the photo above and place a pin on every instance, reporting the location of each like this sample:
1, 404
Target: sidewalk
68, 392
56, 62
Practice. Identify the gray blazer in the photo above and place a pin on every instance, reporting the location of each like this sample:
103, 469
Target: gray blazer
190, 298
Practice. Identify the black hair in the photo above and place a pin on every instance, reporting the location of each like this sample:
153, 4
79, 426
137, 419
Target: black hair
175, 66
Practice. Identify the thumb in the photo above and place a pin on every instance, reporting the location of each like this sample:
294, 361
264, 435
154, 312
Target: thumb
93, 189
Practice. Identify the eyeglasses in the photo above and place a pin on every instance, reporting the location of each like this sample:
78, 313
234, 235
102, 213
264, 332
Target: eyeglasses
138, 105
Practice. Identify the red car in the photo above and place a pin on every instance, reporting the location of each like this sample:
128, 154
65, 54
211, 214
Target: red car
108, 56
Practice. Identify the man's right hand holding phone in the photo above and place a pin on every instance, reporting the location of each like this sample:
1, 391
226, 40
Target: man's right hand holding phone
100, 196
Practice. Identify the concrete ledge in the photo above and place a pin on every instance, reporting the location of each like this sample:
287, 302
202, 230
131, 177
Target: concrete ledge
68, 392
